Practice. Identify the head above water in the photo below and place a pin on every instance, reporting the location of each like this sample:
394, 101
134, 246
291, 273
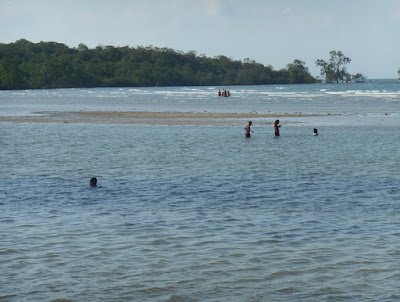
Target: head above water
93, 182
250, 123
277, 122
315, 130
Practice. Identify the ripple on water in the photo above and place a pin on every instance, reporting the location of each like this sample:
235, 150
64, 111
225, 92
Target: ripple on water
199, 219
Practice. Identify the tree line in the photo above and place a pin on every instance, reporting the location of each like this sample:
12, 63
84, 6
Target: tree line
44, 65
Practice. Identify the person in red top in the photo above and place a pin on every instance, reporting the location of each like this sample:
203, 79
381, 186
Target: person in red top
276, 127
247, 129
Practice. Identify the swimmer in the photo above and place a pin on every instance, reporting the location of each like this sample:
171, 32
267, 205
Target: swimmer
247, 129
93, 182
276, 127
315, 132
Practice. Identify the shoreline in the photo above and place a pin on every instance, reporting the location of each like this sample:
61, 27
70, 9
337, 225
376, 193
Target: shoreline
150, 118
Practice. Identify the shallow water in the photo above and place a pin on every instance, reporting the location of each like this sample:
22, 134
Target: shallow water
199, 213
375, 97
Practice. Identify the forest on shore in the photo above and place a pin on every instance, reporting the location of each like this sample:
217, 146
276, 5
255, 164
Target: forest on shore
46, 65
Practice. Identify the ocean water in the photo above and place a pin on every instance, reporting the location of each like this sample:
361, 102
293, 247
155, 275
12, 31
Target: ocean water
375, 97
199, 213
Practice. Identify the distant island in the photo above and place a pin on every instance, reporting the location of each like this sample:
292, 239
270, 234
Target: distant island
46, 65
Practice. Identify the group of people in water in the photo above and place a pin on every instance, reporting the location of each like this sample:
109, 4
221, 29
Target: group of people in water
225, 93
247, 129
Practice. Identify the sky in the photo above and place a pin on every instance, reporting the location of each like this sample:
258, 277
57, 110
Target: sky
270, 32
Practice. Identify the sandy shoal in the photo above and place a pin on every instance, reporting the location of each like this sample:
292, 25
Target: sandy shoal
148, 118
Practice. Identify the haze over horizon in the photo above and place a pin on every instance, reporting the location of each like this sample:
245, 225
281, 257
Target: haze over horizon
269, 32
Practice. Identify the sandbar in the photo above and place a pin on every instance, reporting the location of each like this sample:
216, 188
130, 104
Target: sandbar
150, 118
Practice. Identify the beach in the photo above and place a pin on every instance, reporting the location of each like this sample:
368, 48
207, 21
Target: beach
147, 118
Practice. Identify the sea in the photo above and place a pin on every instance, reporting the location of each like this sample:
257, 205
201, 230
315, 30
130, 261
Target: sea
199, 212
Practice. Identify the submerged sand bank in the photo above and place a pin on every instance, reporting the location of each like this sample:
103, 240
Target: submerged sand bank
148, 118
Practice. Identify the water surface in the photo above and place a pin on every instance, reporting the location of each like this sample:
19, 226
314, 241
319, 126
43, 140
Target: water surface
199, 213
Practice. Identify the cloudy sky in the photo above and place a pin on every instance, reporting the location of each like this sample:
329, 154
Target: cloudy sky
271, 32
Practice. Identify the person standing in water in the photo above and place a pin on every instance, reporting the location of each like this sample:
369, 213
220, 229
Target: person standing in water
247, 129
276, 127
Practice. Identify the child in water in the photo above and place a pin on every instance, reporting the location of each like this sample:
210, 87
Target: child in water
247, 129
315, 132
93, 182
276, 127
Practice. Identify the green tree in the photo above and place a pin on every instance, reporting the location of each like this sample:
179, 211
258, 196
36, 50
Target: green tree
10, 74
27, 65
299, 73
335, 69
